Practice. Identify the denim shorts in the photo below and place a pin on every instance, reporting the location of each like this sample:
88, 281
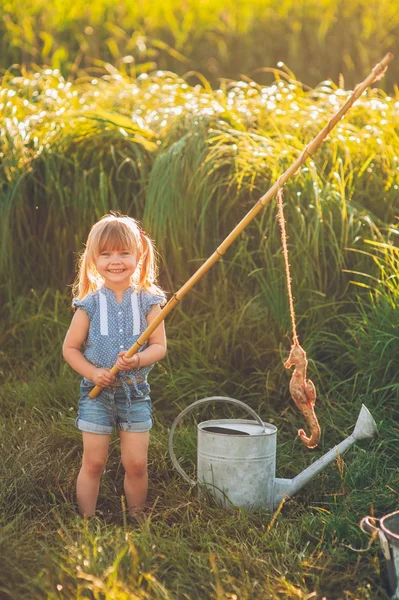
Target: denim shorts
111, 407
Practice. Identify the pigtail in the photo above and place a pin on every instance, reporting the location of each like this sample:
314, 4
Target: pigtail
86, 280
148, 266
83, 285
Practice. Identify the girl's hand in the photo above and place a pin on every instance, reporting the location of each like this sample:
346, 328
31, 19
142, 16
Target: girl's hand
127, 364
103, 377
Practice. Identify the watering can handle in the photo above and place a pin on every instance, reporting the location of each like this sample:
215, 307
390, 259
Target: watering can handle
367, 525
188, 409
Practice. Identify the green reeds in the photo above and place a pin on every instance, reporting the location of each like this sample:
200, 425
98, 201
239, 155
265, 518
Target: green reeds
220, 39
190, 162
188, 159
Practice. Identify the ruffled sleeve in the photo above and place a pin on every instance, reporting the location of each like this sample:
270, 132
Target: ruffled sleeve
88, 304
148, 300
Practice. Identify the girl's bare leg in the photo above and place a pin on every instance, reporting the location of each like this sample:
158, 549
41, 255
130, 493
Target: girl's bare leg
134, 454
95, 454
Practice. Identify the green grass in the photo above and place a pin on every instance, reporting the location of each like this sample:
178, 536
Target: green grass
186, 547
189, 159
220, 39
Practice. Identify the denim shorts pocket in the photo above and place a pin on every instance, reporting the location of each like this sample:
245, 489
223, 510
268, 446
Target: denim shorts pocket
85, 389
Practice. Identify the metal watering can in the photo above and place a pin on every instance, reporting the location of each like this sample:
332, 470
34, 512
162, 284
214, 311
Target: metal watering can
236, 458
387, 531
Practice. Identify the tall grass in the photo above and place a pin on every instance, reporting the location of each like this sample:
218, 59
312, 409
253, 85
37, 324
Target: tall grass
375, 332
189, 159
222, 39
190, 162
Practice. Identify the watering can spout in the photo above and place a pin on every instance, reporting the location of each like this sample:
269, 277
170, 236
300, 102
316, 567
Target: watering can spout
365, 427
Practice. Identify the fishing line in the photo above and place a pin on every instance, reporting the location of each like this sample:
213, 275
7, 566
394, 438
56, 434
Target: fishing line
284, 238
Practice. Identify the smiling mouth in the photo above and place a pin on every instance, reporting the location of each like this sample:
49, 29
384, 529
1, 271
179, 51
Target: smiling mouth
116, 270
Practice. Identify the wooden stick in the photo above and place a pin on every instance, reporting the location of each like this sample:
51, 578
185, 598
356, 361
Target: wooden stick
376, 73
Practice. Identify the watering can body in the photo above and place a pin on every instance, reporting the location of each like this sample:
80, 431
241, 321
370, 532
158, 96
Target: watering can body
236, 458
237, 468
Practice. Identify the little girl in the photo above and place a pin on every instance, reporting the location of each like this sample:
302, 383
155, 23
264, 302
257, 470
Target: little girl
117, 298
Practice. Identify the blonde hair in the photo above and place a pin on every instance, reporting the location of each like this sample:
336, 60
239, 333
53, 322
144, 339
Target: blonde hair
117, 232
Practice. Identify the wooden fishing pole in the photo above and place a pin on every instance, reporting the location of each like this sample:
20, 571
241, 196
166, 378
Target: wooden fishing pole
376, 73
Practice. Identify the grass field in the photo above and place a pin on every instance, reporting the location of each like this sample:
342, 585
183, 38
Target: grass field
190, 161
222, 39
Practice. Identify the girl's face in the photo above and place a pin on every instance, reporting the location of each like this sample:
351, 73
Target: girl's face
116, 267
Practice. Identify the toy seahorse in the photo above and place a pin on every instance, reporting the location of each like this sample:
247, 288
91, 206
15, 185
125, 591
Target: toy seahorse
303, 393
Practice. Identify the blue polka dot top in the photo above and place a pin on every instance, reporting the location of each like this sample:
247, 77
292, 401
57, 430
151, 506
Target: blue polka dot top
115, 327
